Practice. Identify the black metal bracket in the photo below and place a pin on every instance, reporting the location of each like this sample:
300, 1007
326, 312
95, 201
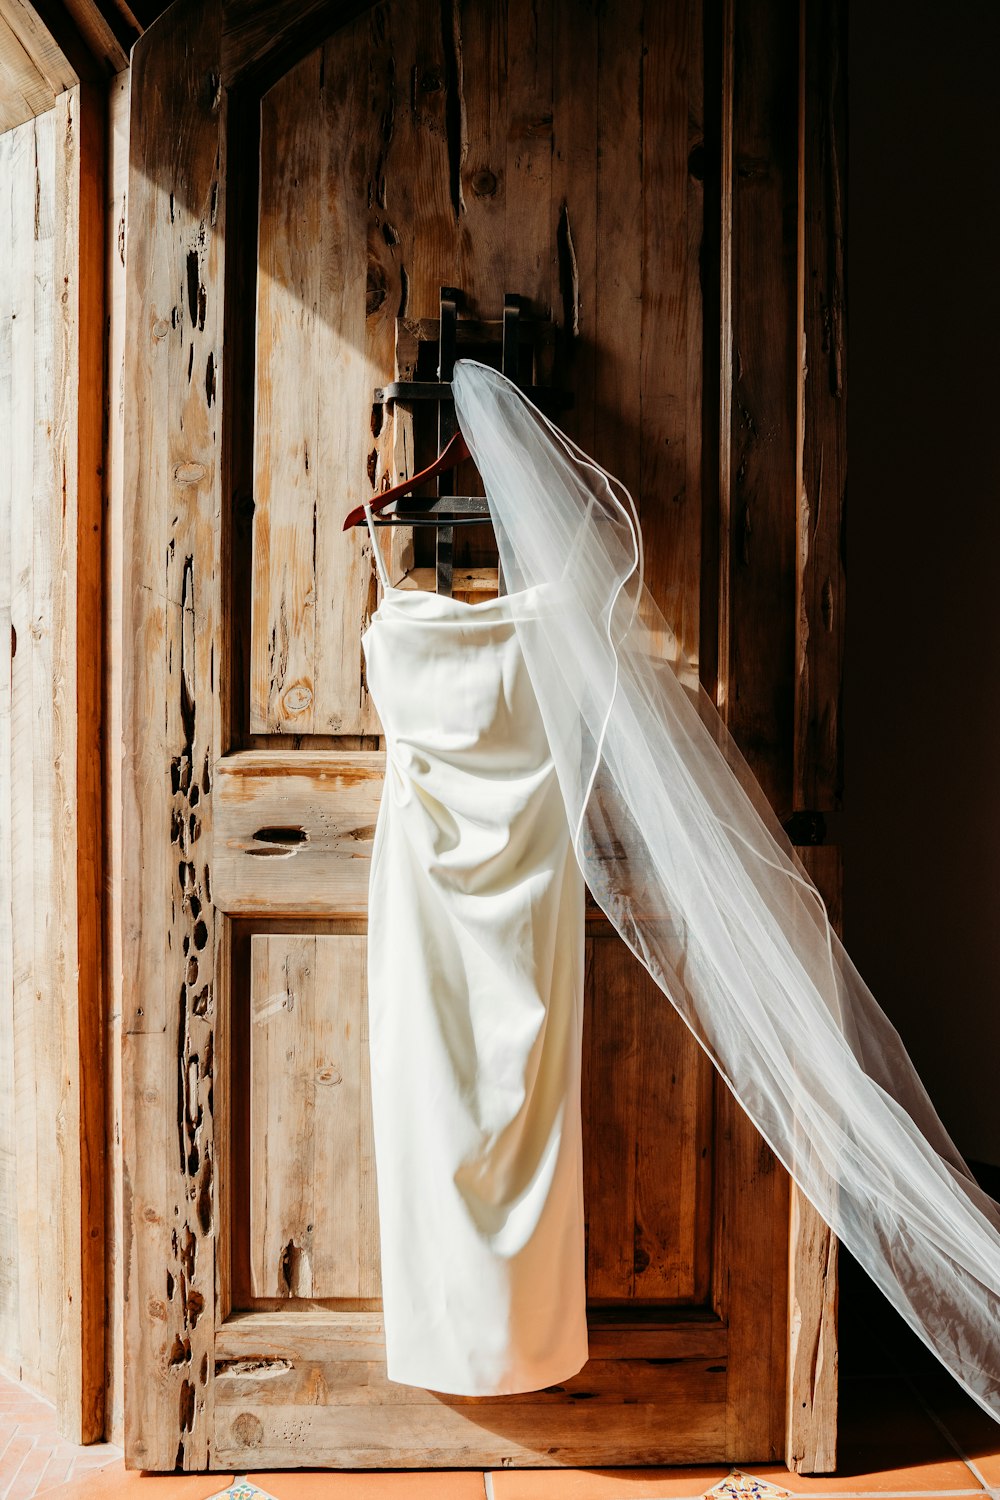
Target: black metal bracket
445, 510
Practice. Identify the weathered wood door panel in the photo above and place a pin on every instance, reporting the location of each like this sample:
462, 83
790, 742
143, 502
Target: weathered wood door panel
304, 178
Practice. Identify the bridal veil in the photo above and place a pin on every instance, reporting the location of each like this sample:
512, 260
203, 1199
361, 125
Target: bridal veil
684, 854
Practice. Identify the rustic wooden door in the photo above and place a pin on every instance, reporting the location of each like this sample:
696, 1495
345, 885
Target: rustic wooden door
304, 177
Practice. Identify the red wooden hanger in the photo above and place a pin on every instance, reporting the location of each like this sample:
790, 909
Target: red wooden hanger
451, 454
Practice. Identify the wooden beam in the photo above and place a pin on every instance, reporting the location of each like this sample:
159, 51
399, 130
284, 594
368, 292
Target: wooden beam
763, 270
24, 89
819, 622
22, 20
77, 520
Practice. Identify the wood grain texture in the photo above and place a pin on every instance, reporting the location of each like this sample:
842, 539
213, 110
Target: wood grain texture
174, 315
34, 36
765, 344
32, 483
552, 152
647, 1133
10, 1337
313, 1222
77, 892
610, 1412
821, 442
294, 831
766, 263
317, 1333
25, 91
52, 1132
822, 408
116, 193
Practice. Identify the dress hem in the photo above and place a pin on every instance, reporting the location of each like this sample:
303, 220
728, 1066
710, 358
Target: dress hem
516, 1388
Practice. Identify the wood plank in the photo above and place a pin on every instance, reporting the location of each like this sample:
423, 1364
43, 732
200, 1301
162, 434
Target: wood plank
821, 440
660, 1333
416, 163
24, 89
31, 479
618, 330
345, 572
34, 36
670, 510
823, 408
116, 188
294, 831
170, 717
52, 734
106, 31
76, 519
765, 320
673, 1420
612, 1069
9, 1241
478, 52
355, 1383
573, 233
284, 594
757, 609
528, 261
813, 1251
310, 1106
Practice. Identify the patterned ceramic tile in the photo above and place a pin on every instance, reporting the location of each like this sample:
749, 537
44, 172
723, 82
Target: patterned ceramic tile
740, 1486
242, 1488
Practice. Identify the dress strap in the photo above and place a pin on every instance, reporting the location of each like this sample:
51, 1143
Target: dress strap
379, 560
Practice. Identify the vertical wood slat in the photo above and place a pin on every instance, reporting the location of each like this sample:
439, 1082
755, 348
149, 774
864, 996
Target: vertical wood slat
573, 233
823, 408
758, 318
284, 595
10, 1296
313, 1231
116, 189
750, 1230
648, 1153
31, 724
811, 1426
618, 330
77, 519
52, 1134
761, 589
171, 722
669, 420
312, 584
345, 378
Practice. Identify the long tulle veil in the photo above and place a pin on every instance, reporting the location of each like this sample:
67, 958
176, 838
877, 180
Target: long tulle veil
684, 854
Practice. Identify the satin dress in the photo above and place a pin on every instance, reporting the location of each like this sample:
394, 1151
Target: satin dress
475, 1006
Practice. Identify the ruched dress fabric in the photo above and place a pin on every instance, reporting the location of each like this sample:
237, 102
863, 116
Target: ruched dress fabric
475, 1006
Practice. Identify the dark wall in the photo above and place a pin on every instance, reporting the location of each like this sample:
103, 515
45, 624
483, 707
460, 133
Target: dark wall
922, 669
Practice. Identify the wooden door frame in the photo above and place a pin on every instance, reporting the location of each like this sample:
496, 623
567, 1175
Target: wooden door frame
186, 524
63, 1027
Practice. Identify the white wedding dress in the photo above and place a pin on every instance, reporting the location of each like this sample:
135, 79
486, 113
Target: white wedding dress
575, 683
475, 1004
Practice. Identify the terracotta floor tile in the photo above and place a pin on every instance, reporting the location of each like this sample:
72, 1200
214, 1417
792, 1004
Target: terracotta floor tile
115, 1482
14, 1455
888, 1443
28, 1475
340, 1484
40, 1423
603, 1484
973, 1431
58, 1469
